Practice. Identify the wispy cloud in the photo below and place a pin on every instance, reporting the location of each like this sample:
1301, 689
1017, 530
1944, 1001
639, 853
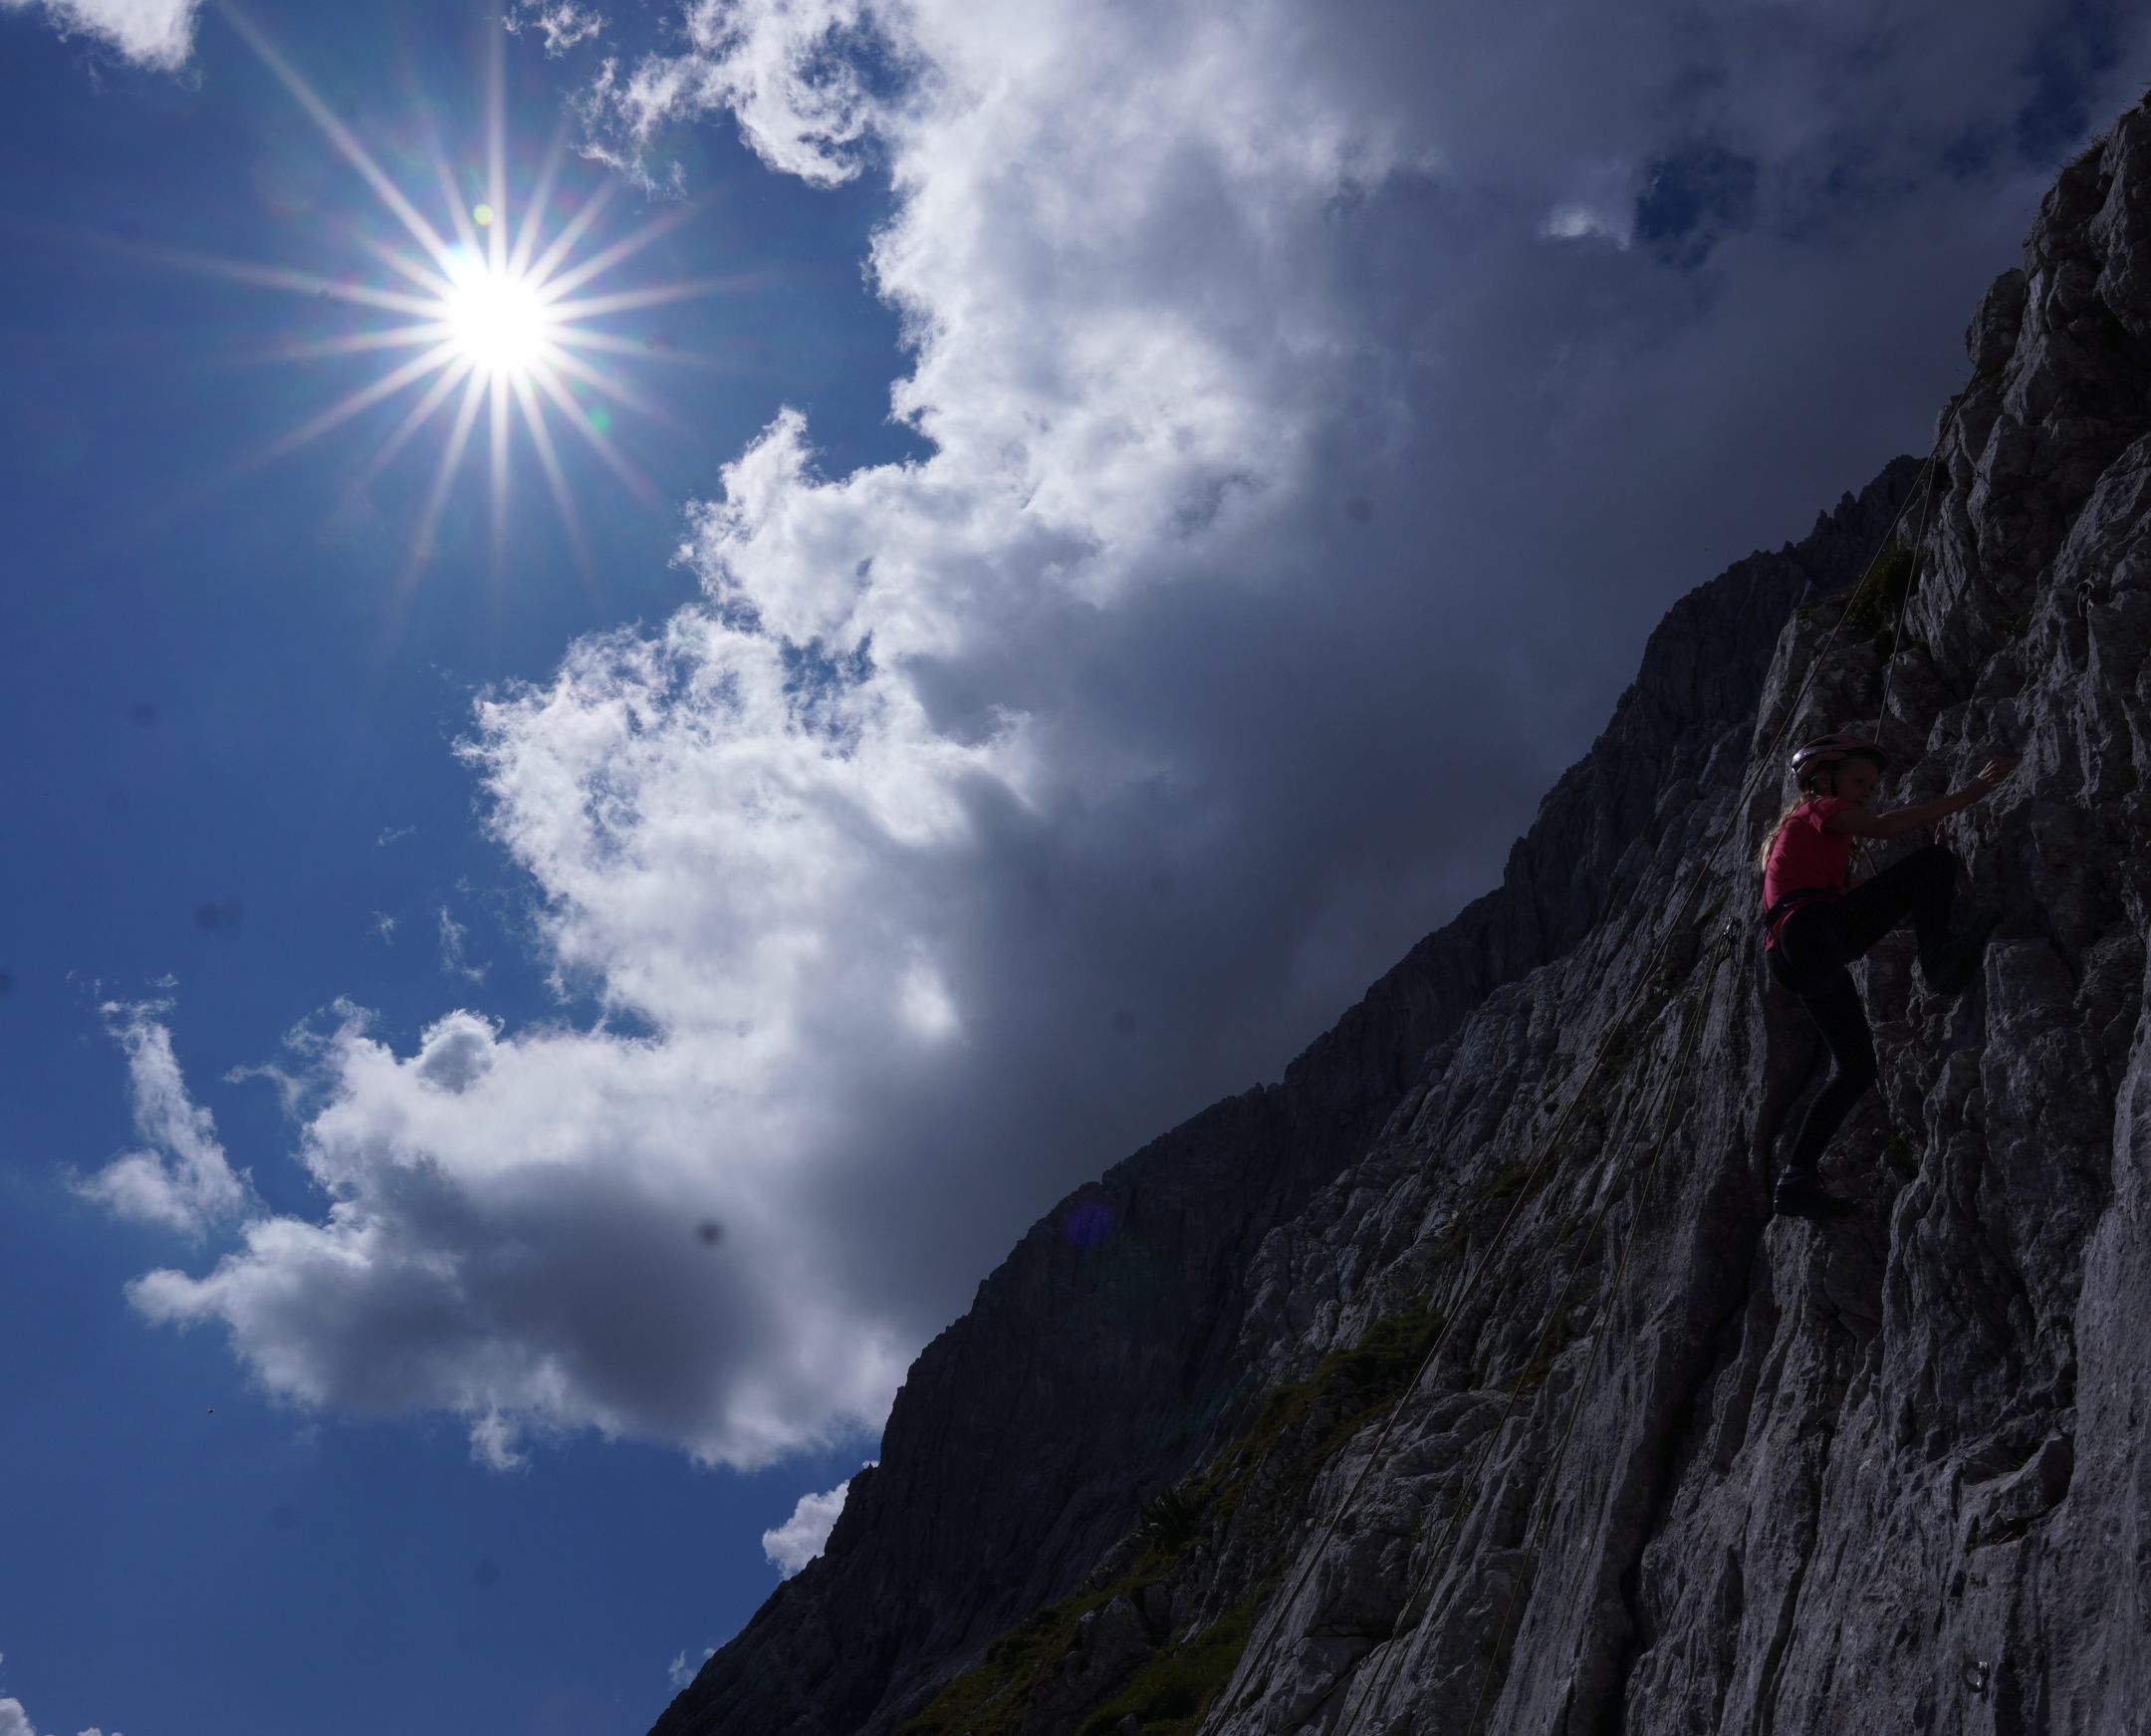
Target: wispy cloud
181, 1180
154, 33
679, 1670
561, 23
492, 1439
452, 960
781, 68
390, 834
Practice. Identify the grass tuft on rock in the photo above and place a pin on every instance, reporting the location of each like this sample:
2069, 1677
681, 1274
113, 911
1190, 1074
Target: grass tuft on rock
1871, 615
1171, 1692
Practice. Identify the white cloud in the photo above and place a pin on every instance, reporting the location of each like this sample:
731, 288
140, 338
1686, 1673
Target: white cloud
795, 1543
562, 23
390, 835
384, 925
771, 63
681, 1672
514, 1237
158, 33
1293, 513
183, 1180
451, 950
14, 1721
493, 1438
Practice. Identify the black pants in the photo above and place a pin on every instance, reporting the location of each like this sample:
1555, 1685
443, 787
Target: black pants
1813, 950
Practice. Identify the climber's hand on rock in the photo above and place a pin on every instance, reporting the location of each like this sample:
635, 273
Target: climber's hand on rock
1993, 770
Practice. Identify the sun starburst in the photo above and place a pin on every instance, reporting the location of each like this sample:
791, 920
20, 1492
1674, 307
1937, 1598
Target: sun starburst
500, 316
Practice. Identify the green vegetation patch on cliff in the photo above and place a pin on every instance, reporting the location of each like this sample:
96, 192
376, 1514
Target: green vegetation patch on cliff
1348, 1387
993, 1697
1169, 1692
1872, 613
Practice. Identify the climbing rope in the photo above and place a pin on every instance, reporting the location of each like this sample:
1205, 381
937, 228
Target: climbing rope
1919, 545
1384, 1672
1261, 1641
1376, 1697
1552, 1482
1889, 663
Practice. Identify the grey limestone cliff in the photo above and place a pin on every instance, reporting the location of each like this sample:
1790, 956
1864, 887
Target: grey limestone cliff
1463, 1382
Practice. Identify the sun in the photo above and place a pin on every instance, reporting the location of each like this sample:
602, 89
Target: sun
493, 308
499, 319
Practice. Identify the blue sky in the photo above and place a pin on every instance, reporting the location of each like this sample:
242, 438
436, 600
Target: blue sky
866, 826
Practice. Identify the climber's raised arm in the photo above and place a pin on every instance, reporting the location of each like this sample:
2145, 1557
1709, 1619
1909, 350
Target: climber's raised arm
1899, 821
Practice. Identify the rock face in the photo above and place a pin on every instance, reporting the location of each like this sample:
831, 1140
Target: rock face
1463, 1382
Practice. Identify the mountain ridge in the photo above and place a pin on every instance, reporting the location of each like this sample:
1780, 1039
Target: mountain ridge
1135, 1487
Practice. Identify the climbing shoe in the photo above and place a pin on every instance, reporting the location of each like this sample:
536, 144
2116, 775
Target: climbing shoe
1803, 1196
1952, 970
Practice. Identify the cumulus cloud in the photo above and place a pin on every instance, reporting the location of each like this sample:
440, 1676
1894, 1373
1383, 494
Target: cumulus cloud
513, 1237
181, 1180
155, 32
795, 1543
1296, 505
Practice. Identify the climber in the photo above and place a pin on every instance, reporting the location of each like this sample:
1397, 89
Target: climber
1819, 917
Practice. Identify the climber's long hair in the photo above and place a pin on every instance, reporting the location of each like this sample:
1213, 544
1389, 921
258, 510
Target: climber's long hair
1808, 791
1770, 838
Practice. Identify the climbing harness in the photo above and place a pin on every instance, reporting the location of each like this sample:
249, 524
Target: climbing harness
1645, 979
1775, 917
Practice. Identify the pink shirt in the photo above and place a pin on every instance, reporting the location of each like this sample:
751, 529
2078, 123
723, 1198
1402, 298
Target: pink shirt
1806, 855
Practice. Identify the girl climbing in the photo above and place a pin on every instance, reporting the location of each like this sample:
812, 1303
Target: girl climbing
1819, 917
